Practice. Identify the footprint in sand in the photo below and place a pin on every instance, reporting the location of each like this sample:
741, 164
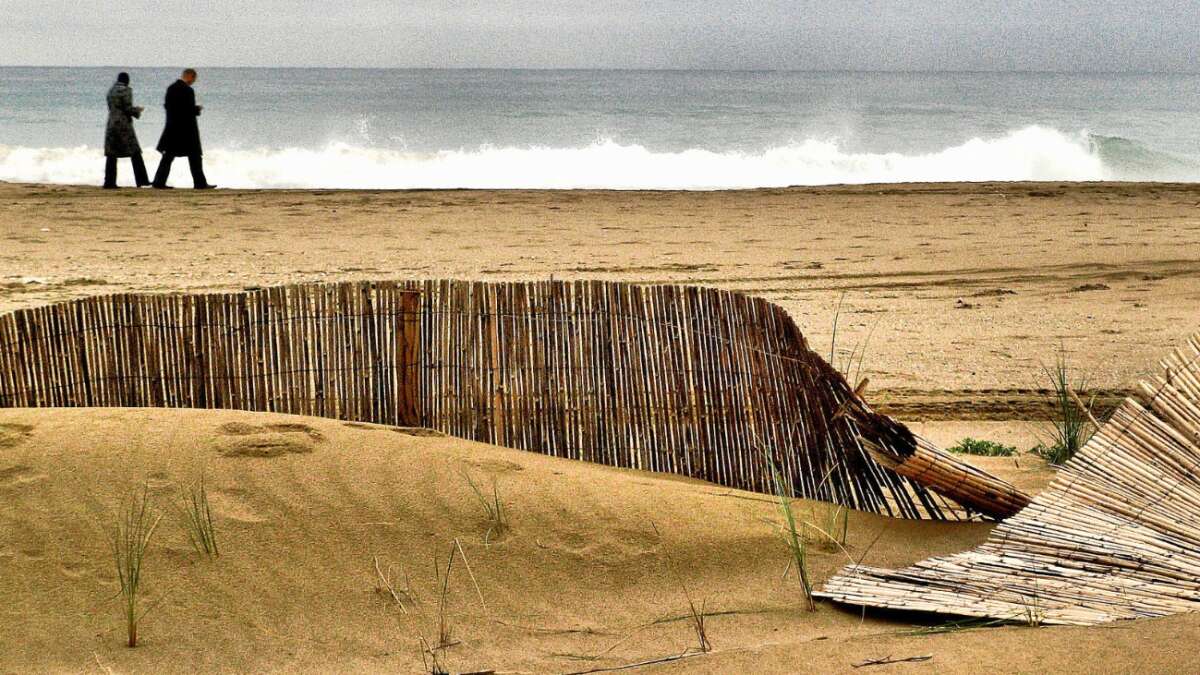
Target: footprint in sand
624, 543
32, 555
419, 431
74, 570
16, 476
232, 505
159, 480
268, 440
495, 466
13, 434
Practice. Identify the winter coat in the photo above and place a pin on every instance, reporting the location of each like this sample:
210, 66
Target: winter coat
120, 140
181, 135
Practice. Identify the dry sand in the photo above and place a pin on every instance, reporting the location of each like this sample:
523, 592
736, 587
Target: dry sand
580, 580
965, 289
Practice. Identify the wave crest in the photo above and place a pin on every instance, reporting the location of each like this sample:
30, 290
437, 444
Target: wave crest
1029, 154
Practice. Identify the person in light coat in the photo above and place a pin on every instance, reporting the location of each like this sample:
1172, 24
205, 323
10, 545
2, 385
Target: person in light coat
120, 139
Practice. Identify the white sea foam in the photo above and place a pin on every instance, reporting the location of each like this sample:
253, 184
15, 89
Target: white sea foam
1032, 153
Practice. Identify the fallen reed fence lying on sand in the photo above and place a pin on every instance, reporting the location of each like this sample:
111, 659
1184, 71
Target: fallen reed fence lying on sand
1115, 536
687, 380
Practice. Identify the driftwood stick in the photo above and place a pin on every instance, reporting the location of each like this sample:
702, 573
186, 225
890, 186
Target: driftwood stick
887, 659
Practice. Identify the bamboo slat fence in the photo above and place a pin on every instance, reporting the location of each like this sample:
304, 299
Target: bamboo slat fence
686, 380
1115, 536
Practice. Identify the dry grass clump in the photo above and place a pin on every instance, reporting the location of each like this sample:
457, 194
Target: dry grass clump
433, 650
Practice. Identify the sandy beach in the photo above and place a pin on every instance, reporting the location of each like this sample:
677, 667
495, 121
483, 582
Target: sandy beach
961, 293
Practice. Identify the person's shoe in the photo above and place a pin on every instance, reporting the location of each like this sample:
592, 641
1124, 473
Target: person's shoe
106, 186
210, 186
141, 185
161, 187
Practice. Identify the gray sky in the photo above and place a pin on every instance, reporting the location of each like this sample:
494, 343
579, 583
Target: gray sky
809, 35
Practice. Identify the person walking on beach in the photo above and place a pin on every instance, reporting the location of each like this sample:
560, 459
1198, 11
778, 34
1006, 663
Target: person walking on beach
120, 140
181, 135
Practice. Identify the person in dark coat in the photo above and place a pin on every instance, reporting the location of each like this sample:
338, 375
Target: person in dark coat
120, 140
181, 135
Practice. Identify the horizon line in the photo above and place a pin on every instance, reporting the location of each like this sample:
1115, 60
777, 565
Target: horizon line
897, 71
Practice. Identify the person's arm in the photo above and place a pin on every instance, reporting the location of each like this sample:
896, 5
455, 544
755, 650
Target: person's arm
127, 105
191, 93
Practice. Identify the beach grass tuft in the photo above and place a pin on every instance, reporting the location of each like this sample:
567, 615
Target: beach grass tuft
493, 507
131, 537
851, 366
836, 527
793, 533
1073, 423
698, 616
198, 519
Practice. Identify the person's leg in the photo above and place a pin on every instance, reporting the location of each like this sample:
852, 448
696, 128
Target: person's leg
110, 172
196, 163
139, 171
164, 171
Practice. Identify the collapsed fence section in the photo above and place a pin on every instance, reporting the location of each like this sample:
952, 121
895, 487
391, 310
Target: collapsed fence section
694, 381
1115, 536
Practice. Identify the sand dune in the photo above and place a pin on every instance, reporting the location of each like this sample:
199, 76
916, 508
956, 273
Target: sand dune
580, 580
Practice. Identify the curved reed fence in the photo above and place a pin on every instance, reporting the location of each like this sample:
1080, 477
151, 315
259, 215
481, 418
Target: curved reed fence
1115, 536
687, 380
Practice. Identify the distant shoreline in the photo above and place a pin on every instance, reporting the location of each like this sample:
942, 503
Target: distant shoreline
917, 186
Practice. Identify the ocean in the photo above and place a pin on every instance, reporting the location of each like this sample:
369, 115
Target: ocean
696, 130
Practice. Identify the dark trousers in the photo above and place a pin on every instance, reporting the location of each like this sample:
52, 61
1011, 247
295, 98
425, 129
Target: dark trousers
139, 171
195, 163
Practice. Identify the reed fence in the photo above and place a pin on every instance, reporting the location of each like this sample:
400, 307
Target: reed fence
693, 381
1115, 536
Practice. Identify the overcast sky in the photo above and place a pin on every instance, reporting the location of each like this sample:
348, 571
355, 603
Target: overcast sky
809, 35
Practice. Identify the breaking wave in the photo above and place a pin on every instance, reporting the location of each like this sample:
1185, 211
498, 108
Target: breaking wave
1029, 154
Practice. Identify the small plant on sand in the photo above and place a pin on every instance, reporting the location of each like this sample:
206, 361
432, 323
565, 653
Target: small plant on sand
493, 508
1072, 424
433, 653
1031, 613
793, 533
431, 659
698, 616
971, 446
832, 525
445, 632
836, 527
130, 539
847, 367
198, 519
387, 583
